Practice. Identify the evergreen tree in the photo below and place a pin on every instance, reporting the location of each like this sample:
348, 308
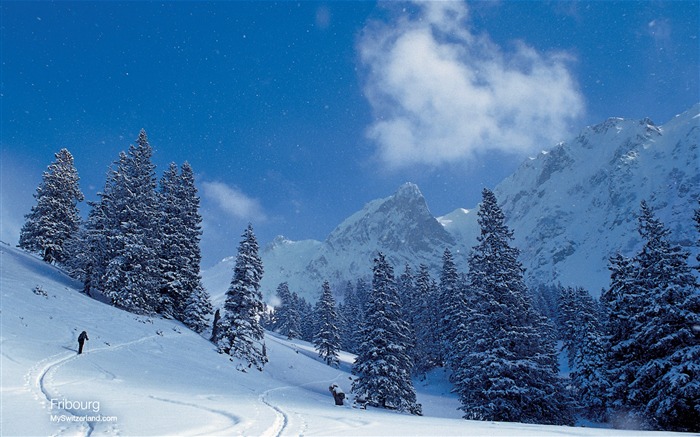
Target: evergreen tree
452, 305
287, 313
586, 349
192, 236
198, 308
241, 335
172, 293
409, 304
506, 367
307, 323
132, 275
665, 389
383, 367
352, 315
427, 350
55, 220
181, 289
327, 338
619, 305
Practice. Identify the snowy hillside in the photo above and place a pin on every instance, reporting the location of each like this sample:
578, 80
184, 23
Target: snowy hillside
147, 376
570, 208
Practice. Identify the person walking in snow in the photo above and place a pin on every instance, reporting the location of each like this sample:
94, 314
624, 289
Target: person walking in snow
81, 340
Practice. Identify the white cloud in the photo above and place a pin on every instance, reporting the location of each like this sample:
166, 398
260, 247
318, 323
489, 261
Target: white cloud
442, 93
232, 201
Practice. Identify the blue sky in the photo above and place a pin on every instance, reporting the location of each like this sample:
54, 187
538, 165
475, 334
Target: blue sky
295, 114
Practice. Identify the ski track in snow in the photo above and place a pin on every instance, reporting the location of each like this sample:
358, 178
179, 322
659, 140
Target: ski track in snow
281, 418
282, 422
231, 418
40, 380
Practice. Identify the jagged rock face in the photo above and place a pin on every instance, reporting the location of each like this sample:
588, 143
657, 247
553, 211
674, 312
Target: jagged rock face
574, 207
401, 226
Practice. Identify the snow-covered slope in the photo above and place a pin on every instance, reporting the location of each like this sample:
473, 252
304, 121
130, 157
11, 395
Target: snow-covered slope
570, 208
147, 376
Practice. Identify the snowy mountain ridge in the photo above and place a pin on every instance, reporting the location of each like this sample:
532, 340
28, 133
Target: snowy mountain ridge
570, 207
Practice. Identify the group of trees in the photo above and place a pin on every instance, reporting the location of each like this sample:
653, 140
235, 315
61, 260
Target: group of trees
139, 246
635, 354
483, 327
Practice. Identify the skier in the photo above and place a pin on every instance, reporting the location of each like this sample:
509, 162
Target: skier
81, 340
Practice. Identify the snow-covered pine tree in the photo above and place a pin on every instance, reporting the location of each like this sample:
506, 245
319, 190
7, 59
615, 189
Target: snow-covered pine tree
241, 335
666, 386
619, 305
307, 323
172, 294
181, 287
409, 305
132, 276
198, 308
55, 220
327, 338
506, 362
383, 366
452, 305
427, 350
92, 251
567, 320
198, 298
587, 351
286, 313
352, 315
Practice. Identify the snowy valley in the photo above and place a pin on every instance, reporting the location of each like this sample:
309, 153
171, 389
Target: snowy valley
150, 376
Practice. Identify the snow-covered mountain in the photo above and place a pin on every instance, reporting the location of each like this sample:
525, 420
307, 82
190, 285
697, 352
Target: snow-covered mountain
573, 207
570, 208
400, 225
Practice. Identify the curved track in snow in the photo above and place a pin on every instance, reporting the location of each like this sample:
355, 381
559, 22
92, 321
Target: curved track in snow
40, 379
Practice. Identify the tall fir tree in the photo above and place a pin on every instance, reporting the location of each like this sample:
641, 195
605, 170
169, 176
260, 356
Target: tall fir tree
507, 366
451, 308
172, 256
665, 389
327, 338
586, 348
197, 305
132, 275
427, 349
619, 306
241, 335
287, 313
409, 305
181, 289
383, 366
305, 310
54, 221
352, 315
